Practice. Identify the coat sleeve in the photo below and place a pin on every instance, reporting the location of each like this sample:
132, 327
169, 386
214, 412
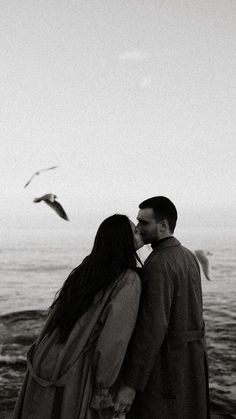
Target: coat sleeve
114, 338
151, 326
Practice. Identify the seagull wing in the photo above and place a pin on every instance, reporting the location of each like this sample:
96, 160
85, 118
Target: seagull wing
204, 262
49, 168
27, 183
56, 206
37, 199
49, 196
38, 172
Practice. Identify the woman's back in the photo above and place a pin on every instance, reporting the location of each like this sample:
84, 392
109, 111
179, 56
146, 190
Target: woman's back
88, 363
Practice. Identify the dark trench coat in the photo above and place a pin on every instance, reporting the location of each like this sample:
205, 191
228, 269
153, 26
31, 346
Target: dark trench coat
166, 360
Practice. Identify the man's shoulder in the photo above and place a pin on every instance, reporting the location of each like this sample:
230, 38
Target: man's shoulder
188, 252
167, 255
157, 260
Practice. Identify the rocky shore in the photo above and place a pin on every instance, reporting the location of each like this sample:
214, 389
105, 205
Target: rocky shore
18, 330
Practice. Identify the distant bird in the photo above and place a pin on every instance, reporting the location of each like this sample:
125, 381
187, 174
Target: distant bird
37, 173
204, 262
50, 199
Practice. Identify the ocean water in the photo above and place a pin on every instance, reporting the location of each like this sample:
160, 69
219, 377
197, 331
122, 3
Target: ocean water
35, 263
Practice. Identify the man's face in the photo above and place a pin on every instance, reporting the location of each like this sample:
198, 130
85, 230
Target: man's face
138, 241
148, 226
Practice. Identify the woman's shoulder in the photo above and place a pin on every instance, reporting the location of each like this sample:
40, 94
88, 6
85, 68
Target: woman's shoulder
132, 274
126, 287
129, 279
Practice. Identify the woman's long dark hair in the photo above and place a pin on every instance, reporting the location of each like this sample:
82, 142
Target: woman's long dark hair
113, 252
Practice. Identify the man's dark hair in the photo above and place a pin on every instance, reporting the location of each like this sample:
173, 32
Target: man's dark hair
163, 209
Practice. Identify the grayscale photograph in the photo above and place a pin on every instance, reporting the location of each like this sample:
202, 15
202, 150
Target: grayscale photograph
118, 209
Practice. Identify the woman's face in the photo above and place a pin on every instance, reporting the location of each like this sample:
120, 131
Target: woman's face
138, 241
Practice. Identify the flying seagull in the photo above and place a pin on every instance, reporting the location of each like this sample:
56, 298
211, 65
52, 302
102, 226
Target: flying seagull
50, 199
204, 262
37, 173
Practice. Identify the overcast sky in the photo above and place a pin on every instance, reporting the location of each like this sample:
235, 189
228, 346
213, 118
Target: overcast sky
129, 98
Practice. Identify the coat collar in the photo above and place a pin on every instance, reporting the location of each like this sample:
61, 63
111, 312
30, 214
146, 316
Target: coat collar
161, 245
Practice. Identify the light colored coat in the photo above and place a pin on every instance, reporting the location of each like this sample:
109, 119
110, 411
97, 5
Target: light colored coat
166, 359
75, 380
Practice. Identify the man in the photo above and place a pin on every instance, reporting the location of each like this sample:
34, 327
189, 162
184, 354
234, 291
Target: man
166, 364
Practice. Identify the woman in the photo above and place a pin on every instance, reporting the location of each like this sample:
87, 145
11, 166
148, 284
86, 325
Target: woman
73, 368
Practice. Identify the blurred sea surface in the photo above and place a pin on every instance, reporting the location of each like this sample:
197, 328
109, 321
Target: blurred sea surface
34, 265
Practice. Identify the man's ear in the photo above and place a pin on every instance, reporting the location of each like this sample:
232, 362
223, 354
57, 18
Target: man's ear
164, 225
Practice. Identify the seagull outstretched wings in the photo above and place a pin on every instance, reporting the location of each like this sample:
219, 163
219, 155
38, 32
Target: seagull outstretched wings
50, 199
37, 173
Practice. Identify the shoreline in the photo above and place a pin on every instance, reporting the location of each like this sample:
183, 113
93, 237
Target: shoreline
18, 330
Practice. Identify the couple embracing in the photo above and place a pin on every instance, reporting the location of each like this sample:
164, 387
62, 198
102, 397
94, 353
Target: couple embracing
122, 341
